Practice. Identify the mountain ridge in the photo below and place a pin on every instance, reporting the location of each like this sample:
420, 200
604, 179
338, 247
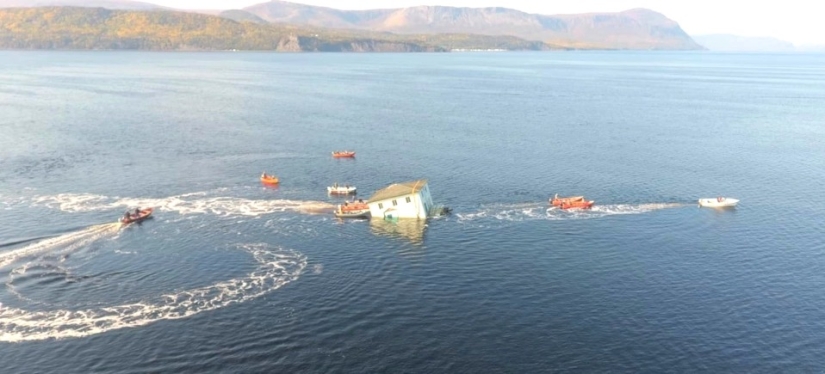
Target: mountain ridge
100, 28
108, 4
632, 29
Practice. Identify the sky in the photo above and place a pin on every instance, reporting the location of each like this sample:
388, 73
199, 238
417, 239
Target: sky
796, 21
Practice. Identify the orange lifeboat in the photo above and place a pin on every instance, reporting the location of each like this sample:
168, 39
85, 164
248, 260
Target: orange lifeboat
269, 179
571, 202
353, 209
343, 154
353, 205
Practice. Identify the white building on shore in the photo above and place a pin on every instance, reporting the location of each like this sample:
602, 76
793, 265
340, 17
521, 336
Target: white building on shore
402, 200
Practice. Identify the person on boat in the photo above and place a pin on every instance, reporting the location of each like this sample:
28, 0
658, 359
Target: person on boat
264, 176
126, 216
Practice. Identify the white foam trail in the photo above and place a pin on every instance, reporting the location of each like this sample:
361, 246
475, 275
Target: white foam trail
86, 235
633, 209
193, 203
60, 245
276, 267
19, 271
541, 211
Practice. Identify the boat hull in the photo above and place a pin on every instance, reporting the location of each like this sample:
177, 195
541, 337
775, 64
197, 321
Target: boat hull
270, 181
558, 201
572, 202
723, 202
344, 154
144, 214
341, 190
577, 205
352, 206
364, 213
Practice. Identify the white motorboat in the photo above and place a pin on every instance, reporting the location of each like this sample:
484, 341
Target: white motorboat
341, 190
718, 202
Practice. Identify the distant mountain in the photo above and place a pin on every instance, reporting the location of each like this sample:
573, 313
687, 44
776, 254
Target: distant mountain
811, 48
98, 28
300, 14
241, 16
735, 43
108, 4
633, 29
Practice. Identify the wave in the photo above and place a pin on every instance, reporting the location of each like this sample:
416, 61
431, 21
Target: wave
192, 203
276, 267
541, 211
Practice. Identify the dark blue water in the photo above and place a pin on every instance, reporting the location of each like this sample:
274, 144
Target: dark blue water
231, 276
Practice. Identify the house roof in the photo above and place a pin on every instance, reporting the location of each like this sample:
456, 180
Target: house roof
398, 189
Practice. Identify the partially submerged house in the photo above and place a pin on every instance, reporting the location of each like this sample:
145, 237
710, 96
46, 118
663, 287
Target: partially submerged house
411, 230
402, 200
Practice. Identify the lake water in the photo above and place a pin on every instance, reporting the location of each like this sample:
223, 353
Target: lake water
231, 276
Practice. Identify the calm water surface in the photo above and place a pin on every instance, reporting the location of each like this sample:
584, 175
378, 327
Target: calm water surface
231, 276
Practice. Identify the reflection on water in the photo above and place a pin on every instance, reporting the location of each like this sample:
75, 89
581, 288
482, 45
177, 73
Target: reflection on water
645, 280
408, 229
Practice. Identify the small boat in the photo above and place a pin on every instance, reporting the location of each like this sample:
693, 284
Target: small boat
343, 154
354, 205
353, 209
365, 213
719, 202
572, 202
140, 216
341, 190
269, 179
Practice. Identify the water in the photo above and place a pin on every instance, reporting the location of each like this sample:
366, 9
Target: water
231, 276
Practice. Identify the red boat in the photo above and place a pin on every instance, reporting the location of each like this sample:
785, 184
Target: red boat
136, 217
343, 154
571, 202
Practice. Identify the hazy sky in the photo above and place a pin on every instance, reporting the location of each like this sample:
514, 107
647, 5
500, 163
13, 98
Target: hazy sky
796, 21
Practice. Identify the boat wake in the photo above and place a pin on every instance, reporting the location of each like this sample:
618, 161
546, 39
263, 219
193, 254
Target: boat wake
541, 211
71, 240
276, 267
193, 203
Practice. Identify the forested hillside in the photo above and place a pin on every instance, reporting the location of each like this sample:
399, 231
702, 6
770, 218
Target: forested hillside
98, 28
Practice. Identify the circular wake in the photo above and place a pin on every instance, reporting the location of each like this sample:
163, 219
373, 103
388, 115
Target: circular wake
276, 267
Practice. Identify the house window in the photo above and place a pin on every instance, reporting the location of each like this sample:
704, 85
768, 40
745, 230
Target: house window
380, 206
394, 203
408, 199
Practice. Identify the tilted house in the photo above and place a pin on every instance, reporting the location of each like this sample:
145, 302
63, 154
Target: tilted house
402, 200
